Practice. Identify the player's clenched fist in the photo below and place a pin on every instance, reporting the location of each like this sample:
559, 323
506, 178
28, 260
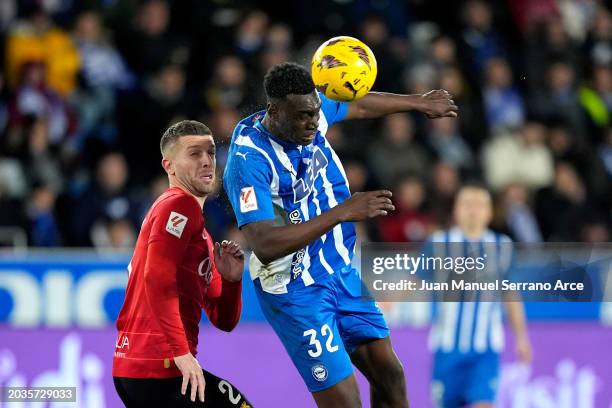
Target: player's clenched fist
192, 374
370, 204
229, 259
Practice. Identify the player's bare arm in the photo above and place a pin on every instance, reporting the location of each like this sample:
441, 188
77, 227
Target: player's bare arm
435, 104
518, 321
271, 242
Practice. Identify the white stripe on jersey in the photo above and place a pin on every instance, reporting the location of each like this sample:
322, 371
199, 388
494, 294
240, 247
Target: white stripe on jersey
284, 159
324, 262
483, 322
329, 191
450, 314
465, 329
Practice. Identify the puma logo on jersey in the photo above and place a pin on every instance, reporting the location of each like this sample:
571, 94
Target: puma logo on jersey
176, 224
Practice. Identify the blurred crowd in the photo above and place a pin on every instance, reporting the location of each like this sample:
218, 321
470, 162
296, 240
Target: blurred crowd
87, 88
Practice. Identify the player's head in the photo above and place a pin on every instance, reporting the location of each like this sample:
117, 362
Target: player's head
473, 208
188, 156
293, 103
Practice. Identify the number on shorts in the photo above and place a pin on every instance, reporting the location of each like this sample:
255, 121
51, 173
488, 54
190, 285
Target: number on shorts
326, 331
225, 386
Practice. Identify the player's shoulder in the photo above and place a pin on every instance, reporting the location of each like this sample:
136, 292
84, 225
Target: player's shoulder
176, 200
494, 236
250, 144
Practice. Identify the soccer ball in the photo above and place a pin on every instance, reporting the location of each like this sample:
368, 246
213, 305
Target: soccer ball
344, 69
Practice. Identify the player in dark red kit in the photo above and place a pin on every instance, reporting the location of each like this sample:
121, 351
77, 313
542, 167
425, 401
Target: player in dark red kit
176, 271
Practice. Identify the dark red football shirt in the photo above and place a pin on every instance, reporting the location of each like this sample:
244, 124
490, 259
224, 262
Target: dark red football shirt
172, 276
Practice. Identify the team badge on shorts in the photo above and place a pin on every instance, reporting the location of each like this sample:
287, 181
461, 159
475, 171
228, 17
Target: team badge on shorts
319, 372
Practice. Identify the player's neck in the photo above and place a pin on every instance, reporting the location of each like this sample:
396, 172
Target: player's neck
272, 128
200, 199
472, 233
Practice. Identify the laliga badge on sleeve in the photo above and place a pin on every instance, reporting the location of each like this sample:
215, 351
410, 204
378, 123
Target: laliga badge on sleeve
248, 200
176, 224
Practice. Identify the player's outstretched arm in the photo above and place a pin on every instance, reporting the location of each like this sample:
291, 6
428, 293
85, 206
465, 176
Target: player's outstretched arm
518, 321
224, 310
435, 104
270, 242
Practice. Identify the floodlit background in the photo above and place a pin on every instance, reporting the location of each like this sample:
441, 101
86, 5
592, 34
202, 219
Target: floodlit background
88, 86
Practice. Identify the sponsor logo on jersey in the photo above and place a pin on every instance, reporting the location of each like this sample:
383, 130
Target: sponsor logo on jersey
319, 372
248, 199
303, 186
205, 270
176, 224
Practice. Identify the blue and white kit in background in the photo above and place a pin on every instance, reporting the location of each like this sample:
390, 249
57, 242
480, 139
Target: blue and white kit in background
467, 337
312, 298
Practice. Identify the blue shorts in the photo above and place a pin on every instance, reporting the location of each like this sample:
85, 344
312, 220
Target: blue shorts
321, 324
461, 379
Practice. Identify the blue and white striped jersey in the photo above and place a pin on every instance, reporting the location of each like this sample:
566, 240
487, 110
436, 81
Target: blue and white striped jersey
267, 178
470, 326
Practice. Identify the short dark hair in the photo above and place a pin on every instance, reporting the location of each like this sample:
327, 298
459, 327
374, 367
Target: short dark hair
288, 78
182, 128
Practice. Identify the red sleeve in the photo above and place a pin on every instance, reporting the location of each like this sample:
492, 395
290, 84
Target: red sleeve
175, 221
224, 302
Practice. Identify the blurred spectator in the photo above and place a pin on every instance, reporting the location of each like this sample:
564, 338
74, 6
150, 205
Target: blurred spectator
479, 40
549, 41
561, 207
251, 33
43, 225
36, 39
559, 97
43, 166
108, 198
446, 141
397, 152
113, 234
502, 102
223, 122
356, 174
375, 34
4, 114
564, 147
522, 158
518, 218
156, 188
408, 223
599, 41
12, 208
33, 97
443, 52
472, 118
596, 99
149, 45
103, 71
444, 185
605, 153
145, 116
228, 88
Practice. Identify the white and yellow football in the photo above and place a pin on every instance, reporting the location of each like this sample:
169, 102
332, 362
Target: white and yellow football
344, 69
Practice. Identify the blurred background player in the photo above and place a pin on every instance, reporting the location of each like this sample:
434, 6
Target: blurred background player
176, 271
291, 198
467, 337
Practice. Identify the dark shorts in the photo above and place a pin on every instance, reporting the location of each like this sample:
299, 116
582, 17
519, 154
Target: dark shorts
166, 392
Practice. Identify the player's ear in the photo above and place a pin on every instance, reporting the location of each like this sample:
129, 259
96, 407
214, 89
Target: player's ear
168, 166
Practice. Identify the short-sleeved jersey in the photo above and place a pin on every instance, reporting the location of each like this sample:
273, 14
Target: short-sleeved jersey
471, 326
151, 332
267, 178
